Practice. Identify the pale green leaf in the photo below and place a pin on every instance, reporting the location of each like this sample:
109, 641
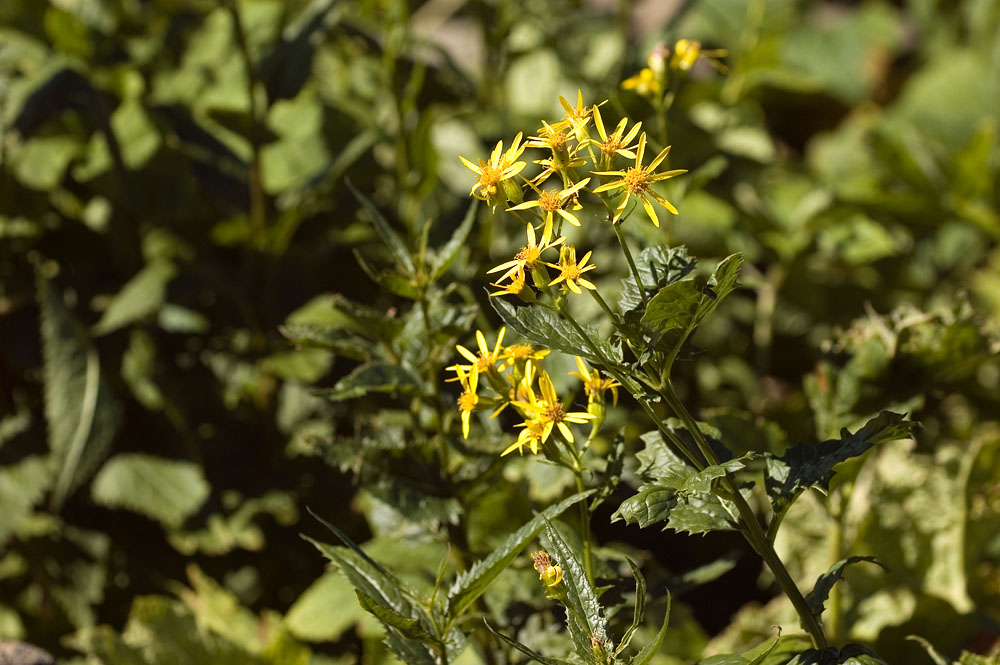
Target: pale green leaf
141, 296
165, 490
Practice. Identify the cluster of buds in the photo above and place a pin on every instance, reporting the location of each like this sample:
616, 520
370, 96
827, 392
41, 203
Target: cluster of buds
664, 67
512, 376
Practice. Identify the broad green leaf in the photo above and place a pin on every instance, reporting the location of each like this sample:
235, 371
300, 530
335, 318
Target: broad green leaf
473, 582
141, 296
165, 490
392, 281
373, 377
584, 616
410, 627
325, 610
301, 156
79, 407
41, 162
658, 267
385, 231
649, 650
547, 329
527, 651
364, 576
639, 609
651, 504
804, 466
447, 253
817, 597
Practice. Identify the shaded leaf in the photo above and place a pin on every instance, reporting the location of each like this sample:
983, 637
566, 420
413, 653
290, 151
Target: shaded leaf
447, 253
658, 266
639, 608
817, 597
527, 651
407, 626
385, 231
79, 406
373, 377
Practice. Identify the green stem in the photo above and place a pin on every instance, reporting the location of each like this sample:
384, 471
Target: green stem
584, 515
753, 532
631, 263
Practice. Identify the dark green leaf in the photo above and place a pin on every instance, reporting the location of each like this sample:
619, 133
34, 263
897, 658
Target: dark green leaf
407, 626
608, 479
724, 659
385, 231
700, 512
639, 609
852, 654
817, 597
547, 329
584, 616
527, 651
650, 505
446, 254
373, 377
929, 648
804, 466
471, 584
647, 652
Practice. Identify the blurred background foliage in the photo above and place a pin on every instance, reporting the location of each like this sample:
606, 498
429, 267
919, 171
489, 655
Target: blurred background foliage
200, 337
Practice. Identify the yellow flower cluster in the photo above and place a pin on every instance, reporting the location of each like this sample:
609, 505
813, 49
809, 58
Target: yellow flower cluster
584, 164
664, 66
514, 378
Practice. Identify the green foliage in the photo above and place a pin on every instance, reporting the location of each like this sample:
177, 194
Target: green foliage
165, 490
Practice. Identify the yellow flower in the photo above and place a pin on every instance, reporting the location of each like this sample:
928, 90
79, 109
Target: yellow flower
516, 287
522, 352
617, 143
687, 52
595, 386
552, 202
638, 181
549, 412
485, 361
501, 166
547, 572
528, 257
644, 83
558, 139
571, 272
530, 436
468, 400
576, 117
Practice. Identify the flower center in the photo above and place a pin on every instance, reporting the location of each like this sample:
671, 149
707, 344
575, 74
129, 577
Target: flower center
571, 271
467, 401
519, 351
554, 413
549, 201
637, 180
528, 255
612, 145
491, 175
484, 363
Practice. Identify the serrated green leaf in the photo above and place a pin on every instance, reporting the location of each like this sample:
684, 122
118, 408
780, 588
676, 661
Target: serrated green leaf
817, 597
651, 504
647, 652
851, 654
527, 651
364, 576
678, 308
407, 626
702, 480
373, 377
141, 296
547, 329
165, 490
804, 466
447, 253
473, 582
658, 266
394, 282
639, 608
79, 407
692, 512
584, 617
385, 231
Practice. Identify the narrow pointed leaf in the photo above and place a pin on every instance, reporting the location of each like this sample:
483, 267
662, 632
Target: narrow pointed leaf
449, 251
640, 606
407, 626
584, 615
817, 597
471, 584
649, 650
385, 231
526, 650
